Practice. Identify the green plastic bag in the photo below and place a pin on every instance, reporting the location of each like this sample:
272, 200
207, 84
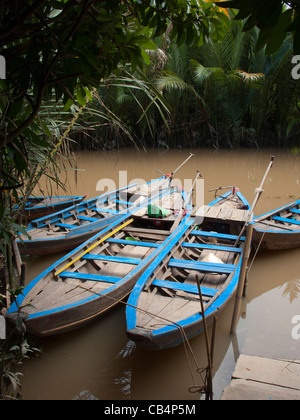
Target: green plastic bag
158, 212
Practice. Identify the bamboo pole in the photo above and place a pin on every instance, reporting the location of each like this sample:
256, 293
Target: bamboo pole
248, 226
258, 194
242, 278
209, 387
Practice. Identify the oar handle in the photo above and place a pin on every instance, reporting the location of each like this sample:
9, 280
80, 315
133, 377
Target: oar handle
191, 192
183, 163
179, 167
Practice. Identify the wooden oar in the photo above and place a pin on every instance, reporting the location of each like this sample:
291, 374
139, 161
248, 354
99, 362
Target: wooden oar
92, 247
179, 167
258, 194
188, 199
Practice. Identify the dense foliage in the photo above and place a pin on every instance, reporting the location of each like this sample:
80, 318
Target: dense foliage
274, 18
224, 93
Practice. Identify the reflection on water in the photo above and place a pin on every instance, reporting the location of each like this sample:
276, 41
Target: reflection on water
98, 362
292, 290
117, 381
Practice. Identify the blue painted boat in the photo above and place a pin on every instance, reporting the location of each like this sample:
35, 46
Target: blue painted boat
37, 207
278, 229
65, 230
164, 307
101, 272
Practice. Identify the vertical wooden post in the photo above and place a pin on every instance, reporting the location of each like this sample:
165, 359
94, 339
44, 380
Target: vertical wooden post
242, 278
16, 253
209, 387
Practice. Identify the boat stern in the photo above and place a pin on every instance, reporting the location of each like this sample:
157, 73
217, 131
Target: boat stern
143, 338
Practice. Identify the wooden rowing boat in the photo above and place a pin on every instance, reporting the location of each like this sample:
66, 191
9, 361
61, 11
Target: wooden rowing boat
98, 274
278, 229
67, 229
37, 207
164, 307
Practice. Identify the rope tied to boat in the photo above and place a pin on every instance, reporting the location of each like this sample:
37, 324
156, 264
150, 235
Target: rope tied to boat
187, 346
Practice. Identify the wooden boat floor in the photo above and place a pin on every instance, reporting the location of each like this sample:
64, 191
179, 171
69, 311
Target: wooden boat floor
165, 310
50, 293
168, 310
226, 213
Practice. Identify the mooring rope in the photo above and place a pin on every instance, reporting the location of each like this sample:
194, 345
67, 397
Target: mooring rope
256, 252
187, 346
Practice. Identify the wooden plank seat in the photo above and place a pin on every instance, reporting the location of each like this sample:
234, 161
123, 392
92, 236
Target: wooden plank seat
109, 258
184, 287
65, 225
104, 210
202, 266
127, 203
212, 247
286, 220
88, 219
216, 235
42, 223
296, 211
134, 243
92, 277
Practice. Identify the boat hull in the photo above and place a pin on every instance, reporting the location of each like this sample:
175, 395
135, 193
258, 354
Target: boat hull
164, 307
71, 318
155, 342
65, 230
278, 229
66, 243
32, 213
276, 240
186, 329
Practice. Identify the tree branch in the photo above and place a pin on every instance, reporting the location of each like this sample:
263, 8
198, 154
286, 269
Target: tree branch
44, 80
31, 10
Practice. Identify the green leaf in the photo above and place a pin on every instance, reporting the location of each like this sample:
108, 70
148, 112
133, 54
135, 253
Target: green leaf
88, 93
297, 42
279, 33
68, 104
144, 42
46, 129
80, 96
146, 57
15, 108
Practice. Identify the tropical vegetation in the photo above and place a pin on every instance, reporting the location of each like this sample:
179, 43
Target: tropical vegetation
223, 93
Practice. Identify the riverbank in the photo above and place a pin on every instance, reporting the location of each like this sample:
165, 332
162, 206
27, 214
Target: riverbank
260, 378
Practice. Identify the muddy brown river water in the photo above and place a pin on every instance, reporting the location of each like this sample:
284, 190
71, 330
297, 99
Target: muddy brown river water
99, 362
